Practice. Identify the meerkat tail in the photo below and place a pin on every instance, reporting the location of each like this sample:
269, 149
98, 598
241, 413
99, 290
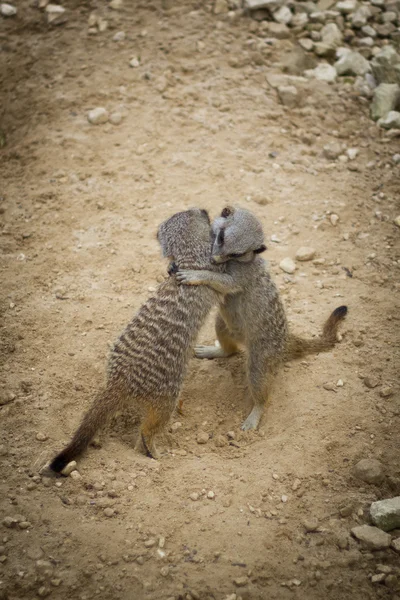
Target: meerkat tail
104, 405
297, 346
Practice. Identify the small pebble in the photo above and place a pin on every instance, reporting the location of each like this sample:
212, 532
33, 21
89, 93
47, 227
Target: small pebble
75, 475
386, 391
119, 36
115, 118
396, 221
287, 265
310, 524
109, 512
211, 495
194, 496
371, 382
24, 524
334, 219
202, 437
42, 437
352, 153
98, 116
241, 581
305, 253
134, 62
8, 10
71, 466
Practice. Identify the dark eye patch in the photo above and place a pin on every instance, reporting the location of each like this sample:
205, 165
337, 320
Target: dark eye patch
237, 255
221, 237
260, 249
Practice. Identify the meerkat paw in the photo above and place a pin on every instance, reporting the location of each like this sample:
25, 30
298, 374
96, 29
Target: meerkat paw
253, 419
209, 352
188, 277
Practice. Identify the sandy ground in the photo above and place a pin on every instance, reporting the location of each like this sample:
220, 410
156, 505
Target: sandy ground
80, 205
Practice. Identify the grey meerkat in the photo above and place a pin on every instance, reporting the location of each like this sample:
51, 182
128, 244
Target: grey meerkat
148, 362
251, 314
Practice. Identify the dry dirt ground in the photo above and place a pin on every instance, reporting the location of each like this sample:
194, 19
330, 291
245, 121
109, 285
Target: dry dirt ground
80, 206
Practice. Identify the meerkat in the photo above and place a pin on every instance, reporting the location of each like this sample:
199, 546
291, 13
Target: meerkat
251, 314
148, 362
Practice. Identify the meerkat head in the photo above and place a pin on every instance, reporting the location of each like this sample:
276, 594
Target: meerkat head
237, 235
183, 230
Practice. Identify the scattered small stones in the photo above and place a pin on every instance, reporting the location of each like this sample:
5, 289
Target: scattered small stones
305, 253
98, 116
202, 437
287, 265
369, 470
385, 514
7, 10
42, 437
372, 537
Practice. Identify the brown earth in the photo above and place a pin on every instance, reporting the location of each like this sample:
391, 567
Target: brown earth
80, 208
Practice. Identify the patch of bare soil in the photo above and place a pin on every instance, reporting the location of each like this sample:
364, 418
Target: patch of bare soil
200, 126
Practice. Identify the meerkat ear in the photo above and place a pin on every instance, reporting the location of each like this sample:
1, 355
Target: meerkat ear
228, 210
260, 249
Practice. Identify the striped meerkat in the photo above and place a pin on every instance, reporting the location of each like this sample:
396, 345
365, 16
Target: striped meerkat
148, 362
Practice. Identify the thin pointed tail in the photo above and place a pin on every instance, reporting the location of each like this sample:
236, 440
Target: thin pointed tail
105, 404
298, 347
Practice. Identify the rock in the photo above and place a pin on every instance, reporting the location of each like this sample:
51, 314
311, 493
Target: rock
211, 495
241, 581
308, 45
42, 437
108, 512
55, 14
202, 437
332, 151
220, 441
334, 219
115, 118
7, 10
372, 537
287, 265
283, 15
278, 30
369, 470
75, 475
323, 72
346, 6
10, 522
360, 17
352, 63
371, 382
311, 524
134, 62
150, 543
331, 39
300, 20
288, 95
71, 466
396, 160
119, 36
260, 4
194, 496
378, 578
116, 4
305, 253
221, 7
6, 397
98, 116
385, 99
391, 121
369, 31
352, 153
386, 66
396, 545
386, 391
385, 514
396, 221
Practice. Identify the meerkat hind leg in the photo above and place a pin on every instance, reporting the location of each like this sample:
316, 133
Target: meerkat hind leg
227, 347
153, 423
258, 380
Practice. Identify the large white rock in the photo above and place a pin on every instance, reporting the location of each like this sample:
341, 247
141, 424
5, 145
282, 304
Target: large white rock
288, 265
322, 72
7, 10
385, 514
